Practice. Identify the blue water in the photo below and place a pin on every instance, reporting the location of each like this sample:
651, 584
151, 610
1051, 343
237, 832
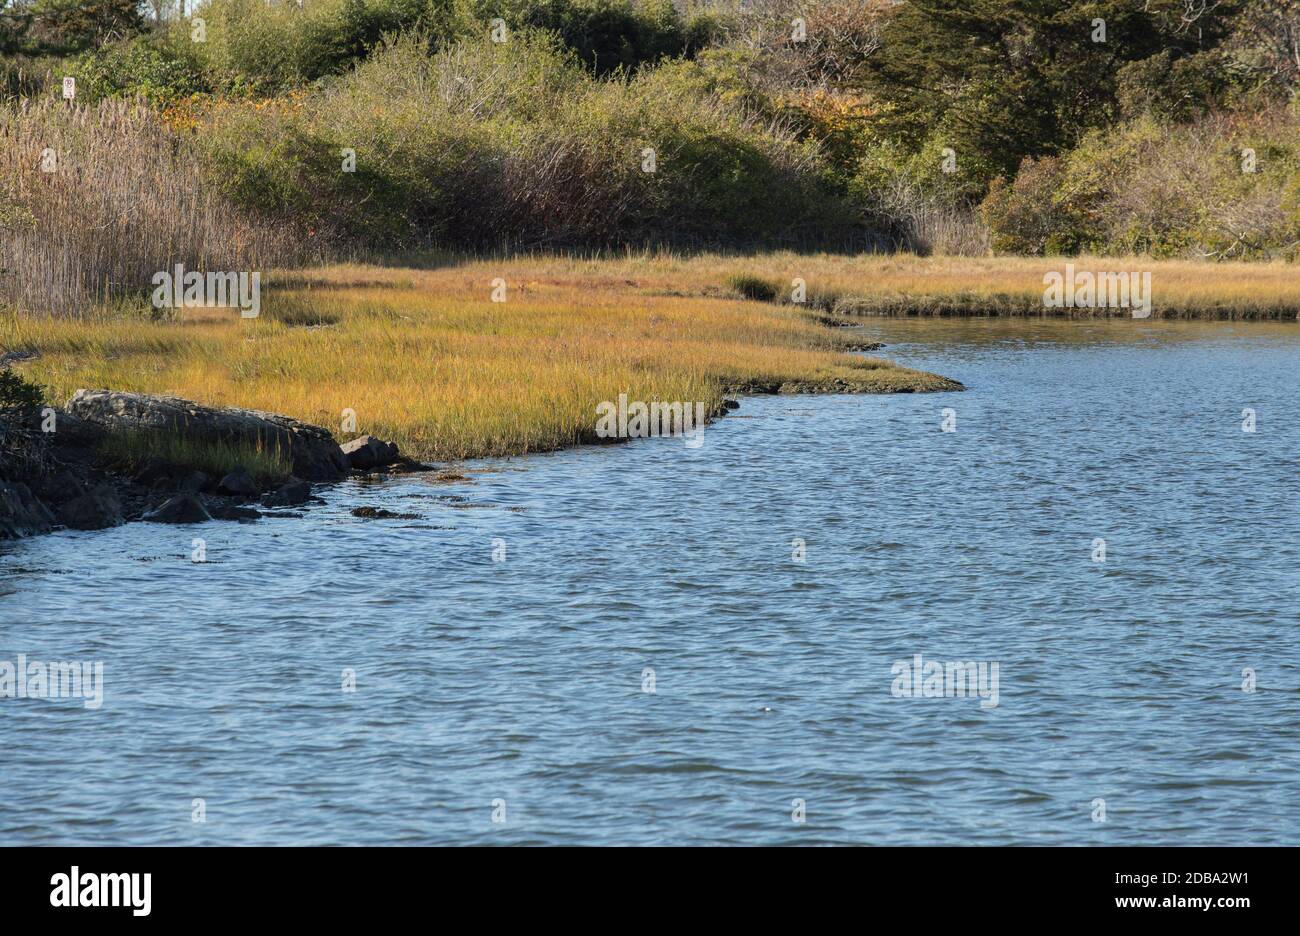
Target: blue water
521, 681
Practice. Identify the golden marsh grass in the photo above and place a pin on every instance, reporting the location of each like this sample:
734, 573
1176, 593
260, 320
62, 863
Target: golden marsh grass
427, 359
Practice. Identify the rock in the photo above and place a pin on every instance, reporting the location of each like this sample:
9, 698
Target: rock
239, 483
183, 508
59, 487
314, 453
194, 482
155, 470
233, 512
21, 514
378, 513
71, 430
290, 494
97, 509
367, 452
405, 465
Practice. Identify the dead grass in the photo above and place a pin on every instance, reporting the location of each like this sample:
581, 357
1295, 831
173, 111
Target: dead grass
95, 200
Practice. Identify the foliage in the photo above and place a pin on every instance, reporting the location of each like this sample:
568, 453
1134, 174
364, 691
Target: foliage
1222, 187
999, 80
486, 144
18, 393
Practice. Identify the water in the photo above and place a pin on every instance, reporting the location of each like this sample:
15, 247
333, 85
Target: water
522, 681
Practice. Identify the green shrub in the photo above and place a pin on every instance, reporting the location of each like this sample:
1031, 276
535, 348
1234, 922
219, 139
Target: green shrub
1221, 187
609, 35
516, 144
252, 47
753, 287
18, 393
1029, 216
136, 67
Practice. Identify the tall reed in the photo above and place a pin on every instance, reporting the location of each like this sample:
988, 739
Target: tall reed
94, 201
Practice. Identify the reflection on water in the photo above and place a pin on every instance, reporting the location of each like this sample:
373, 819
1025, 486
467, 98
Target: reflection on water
652, 565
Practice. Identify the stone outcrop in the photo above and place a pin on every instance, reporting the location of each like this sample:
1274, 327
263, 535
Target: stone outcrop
183, 508
367, 452
290, 494
312, 450
21, 514
60, 476
97, 509
239, 483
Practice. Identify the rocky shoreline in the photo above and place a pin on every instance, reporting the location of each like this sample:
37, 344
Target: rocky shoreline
54, 474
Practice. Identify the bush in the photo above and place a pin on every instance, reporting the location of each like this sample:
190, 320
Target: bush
915, 204
515, 144
252, 47
753, 287
1222, 187
18, 393
135, 68
1028, 215
609, 35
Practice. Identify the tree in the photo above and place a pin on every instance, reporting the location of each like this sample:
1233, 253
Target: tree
1000, 80
15, 21
66, 26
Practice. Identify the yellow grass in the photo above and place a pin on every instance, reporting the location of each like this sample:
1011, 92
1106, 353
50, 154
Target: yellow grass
424, 357
427, 359
909, 285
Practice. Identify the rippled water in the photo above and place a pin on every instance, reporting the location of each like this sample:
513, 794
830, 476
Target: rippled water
522, 681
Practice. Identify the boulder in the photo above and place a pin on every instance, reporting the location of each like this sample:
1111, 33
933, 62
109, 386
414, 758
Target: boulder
367, 452
183, 508
233, 512
379, 513
290, 494
71, 430
313, 452
239, 483
194, 482
21, 514
59, 487
155, 471
97, 509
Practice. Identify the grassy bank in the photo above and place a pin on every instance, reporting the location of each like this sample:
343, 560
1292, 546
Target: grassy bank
426, 358
908, 285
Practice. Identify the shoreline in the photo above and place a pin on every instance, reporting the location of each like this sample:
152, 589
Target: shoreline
70, 483
444, 370
485, 359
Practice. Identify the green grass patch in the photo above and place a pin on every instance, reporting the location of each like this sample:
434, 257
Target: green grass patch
129, 451
753, 287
